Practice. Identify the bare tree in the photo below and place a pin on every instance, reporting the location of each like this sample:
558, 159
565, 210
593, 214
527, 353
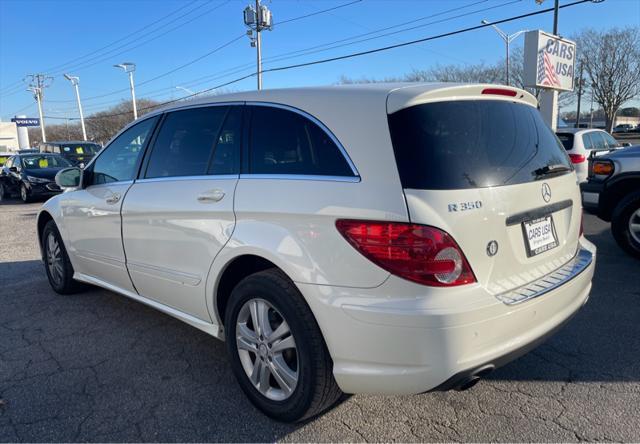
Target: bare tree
611, 60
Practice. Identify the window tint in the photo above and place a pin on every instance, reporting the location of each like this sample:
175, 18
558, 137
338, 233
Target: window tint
587, 142
38, 162
226, 155
472, 144
285, 142
119, 160
185, 142
566, 139
598, 141
610, 141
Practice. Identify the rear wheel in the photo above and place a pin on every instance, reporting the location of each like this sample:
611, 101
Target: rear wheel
276, 349
57, 264
625, 224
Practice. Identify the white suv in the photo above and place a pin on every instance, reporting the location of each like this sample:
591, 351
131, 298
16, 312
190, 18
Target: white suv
581, 143
363, 239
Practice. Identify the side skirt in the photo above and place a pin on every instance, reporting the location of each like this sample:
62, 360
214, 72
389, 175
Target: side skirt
212, 329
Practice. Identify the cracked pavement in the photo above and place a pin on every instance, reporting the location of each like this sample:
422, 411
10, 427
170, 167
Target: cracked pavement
99, 367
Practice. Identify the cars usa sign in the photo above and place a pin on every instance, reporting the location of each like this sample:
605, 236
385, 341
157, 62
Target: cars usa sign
549, 61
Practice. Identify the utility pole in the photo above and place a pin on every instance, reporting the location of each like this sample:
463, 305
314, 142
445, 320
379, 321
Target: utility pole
580, 86
37, 83
75, 82
257, 19
129, 68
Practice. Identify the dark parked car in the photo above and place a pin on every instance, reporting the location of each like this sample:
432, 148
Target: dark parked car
31, 175
613, 193
79, 153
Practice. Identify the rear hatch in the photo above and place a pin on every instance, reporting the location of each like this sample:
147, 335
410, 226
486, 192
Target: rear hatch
488, 170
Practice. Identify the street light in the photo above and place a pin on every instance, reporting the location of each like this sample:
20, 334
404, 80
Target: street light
187, 90
75, 82
129, 68
507, 40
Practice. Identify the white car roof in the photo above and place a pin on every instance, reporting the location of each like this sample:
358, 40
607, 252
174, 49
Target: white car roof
397, 95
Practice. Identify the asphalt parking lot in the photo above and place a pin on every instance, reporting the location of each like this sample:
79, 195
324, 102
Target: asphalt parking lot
99, 367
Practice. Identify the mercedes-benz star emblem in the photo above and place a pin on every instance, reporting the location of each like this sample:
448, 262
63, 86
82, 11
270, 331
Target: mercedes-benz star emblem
546, 192
492, 248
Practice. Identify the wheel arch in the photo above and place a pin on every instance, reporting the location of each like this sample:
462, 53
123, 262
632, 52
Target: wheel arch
43, 218
616, 191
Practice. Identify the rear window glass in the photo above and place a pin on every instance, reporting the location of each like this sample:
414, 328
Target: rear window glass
472, 144
566, 139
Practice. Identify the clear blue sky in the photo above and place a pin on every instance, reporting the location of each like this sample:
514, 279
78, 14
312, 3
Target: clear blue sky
40, 36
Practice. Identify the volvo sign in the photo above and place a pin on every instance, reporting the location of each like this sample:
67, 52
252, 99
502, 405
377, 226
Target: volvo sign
26, 121
549, 61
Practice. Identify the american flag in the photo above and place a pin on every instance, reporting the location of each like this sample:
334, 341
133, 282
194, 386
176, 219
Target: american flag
546, 71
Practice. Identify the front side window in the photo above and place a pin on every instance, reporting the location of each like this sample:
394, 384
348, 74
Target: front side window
285, 142
610, 141
118, 162
472, 144
38, 162
186, 142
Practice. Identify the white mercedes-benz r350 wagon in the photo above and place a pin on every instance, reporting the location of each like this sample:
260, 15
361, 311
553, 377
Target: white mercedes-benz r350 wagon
390, 239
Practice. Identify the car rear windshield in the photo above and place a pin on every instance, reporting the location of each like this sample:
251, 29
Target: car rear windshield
79, 149
566, 139
471, 144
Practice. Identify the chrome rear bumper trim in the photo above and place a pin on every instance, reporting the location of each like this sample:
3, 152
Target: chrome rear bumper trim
550, 281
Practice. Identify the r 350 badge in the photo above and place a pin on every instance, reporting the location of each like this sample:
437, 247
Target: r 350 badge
465, 206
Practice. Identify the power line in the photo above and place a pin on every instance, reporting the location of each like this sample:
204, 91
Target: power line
314, 49
358, 54
11, 86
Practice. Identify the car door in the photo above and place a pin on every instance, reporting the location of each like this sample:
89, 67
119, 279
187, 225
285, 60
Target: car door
179, 214
91, 214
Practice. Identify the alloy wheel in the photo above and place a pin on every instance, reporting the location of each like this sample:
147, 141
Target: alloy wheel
634, 225
23, 193
54, 259
267, 349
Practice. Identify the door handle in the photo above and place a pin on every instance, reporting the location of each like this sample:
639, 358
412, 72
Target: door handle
114, 198
211, 196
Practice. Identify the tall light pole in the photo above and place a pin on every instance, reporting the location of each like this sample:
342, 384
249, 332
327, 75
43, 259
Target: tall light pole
129, 68
507, 41
257, 19
75, 82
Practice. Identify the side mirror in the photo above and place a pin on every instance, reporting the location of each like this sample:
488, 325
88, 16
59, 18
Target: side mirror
13, 169
625, 144
68, 178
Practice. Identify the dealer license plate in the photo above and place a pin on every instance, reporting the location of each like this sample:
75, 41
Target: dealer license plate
539, 235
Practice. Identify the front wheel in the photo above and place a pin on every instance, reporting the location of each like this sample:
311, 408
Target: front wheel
625, 224
276, 349
57, 264
3, 192
24, 194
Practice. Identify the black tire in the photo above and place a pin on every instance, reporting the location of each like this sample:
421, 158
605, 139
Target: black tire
620, 219
4, 194
24, 194
62, 280
316, 389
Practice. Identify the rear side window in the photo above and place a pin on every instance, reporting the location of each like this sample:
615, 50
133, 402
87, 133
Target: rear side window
285, 142
566, 139
598, 141
185, 142
587, 142
472, 144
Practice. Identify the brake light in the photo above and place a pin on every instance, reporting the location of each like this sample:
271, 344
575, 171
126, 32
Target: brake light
577, 158
500, 92
418, 253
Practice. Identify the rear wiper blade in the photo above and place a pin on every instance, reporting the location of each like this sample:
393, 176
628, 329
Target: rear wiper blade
551, 169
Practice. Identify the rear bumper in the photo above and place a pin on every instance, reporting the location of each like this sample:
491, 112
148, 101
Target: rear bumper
384, 343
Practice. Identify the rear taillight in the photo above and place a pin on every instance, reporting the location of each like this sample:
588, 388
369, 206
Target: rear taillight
418, 253
577, 158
